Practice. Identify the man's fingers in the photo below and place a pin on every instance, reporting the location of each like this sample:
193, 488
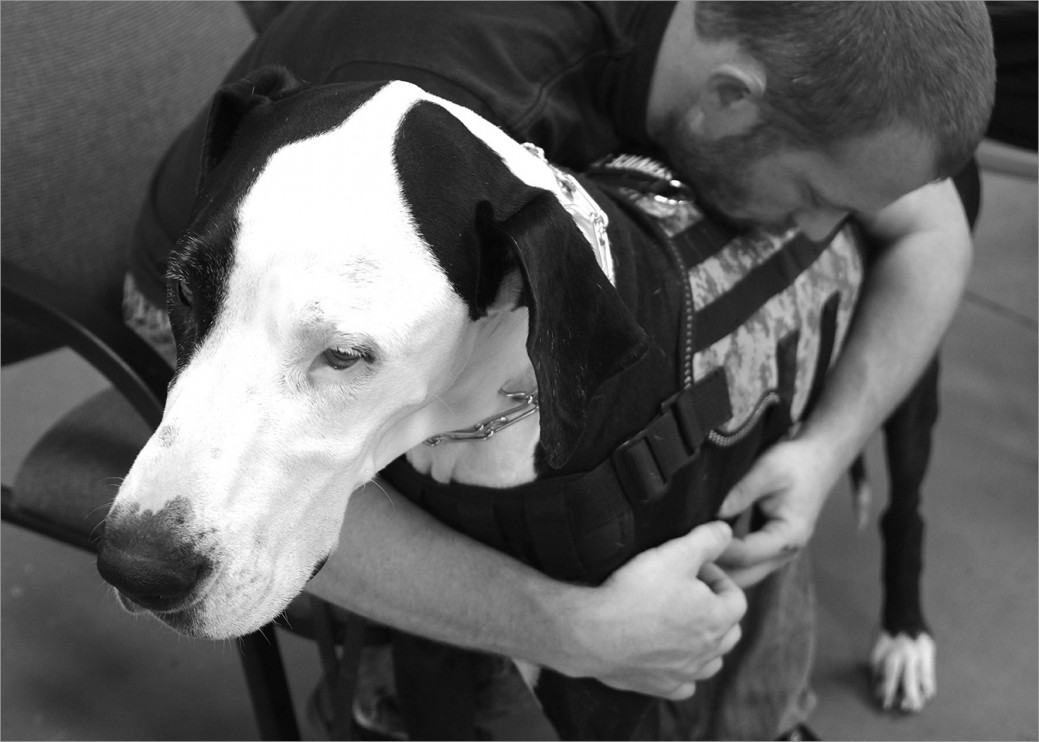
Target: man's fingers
682, 692
702, 544
731, 639
775, 540
754, 485
714, 577
750, 576
710, 669
739, 499
725, 588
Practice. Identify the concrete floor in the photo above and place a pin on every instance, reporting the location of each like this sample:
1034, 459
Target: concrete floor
74, 666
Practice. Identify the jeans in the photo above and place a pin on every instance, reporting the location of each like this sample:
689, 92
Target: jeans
763, 689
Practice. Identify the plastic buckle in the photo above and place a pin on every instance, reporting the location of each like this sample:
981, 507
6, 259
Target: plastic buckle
641, 478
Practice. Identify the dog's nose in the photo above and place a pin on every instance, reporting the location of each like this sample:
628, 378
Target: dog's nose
149, 562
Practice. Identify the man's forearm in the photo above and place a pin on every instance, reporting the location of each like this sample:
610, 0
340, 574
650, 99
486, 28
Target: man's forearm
908, 300
398, 565
658, 625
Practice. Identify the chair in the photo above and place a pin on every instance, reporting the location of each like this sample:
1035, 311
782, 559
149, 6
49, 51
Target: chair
91, 95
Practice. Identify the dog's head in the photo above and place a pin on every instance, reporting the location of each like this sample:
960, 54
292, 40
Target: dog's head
348, 243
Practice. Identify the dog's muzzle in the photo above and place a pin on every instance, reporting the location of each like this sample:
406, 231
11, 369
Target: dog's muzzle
151, 559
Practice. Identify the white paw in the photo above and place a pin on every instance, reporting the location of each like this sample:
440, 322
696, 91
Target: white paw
903, 671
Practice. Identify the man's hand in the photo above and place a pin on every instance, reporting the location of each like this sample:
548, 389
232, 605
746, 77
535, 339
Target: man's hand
657, 625
662, 621
789, 483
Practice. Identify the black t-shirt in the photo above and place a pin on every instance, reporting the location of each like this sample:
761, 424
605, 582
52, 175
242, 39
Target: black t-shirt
572, 77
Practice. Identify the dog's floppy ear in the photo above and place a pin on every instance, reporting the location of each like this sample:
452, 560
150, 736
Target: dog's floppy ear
580, 334
235, 101
482, 222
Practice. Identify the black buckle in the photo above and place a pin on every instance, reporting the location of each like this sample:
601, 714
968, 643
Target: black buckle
641, 477
647, 461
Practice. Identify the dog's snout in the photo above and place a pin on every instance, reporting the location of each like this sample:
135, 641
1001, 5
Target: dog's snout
152, 582
148, 558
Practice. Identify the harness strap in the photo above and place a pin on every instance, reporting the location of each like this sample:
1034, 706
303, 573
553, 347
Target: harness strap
584, 522
721, 317
581, 527
646, 463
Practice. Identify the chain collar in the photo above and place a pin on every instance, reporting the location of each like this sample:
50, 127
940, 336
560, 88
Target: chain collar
592, 221
486, 428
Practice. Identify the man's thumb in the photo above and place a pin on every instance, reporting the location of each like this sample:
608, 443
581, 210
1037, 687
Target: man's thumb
742, 495
704, 543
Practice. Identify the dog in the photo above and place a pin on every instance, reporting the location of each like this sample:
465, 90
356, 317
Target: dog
369, 266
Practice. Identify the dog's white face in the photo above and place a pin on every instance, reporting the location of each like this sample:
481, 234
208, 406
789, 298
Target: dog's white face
322, 332
323, 363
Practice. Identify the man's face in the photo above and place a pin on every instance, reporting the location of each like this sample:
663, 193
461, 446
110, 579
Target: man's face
752, 179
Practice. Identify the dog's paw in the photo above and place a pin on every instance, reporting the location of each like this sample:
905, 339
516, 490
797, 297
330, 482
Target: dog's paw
903, 671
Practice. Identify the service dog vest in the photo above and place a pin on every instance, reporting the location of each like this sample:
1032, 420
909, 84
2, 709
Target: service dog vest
762, 317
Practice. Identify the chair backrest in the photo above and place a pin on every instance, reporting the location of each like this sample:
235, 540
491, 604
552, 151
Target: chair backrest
91, 94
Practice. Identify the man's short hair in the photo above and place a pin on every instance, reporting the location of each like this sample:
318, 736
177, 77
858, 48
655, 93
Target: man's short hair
836, 70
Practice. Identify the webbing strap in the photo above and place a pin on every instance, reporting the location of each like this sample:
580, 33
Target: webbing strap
638, 473
646, 462
723, 316
482, 519
703, 240
547, 517
828, 338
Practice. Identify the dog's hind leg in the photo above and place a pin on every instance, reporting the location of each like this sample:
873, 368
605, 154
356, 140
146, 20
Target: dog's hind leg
903, 657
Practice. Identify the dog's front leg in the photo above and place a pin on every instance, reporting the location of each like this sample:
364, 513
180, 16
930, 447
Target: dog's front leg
903, 658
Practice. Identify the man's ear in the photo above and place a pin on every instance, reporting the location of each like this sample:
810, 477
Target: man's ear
731, 102
235, 101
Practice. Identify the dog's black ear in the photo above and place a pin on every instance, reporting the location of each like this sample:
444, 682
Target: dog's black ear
483, 223
580, 332
235, 101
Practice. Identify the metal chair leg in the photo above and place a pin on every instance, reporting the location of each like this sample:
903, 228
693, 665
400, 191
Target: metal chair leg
340, 665
268, 686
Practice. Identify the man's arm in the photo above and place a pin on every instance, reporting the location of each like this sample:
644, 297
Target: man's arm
908, 300
657, 625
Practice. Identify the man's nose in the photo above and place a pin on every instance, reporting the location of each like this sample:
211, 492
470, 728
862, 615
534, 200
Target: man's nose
818, 224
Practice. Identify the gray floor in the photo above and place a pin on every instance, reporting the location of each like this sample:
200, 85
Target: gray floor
75, 667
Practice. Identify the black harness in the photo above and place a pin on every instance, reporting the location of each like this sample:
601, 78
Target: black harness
671, 475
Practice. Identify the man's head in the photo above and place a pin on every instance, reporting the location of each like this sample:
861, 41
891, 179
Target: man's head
807, 110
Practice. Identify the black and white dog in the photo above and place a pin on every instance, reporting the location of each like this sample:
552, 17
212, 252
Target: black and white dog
368, 267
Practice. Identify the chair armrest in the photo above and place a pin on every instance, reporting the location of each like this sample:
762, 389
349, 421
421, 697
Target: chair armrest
25, 518
122, 357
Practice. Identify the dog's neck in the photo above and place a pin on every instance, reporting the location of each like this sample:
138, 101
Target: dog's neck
498, 361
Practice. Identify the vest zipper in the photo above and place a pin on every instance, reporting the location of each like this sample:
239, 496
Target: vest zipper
768, 400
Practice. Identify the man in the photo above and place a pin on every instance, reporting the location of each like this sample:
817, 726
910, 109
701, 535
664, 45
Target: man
775, 112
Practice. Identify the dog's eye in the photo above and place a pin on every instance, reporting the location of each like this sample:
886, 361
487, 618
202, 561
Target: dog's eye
184, 293
341, 358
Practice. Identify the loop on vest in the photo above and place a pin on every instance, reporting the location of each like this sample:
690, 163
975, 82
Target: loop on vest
647, 462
